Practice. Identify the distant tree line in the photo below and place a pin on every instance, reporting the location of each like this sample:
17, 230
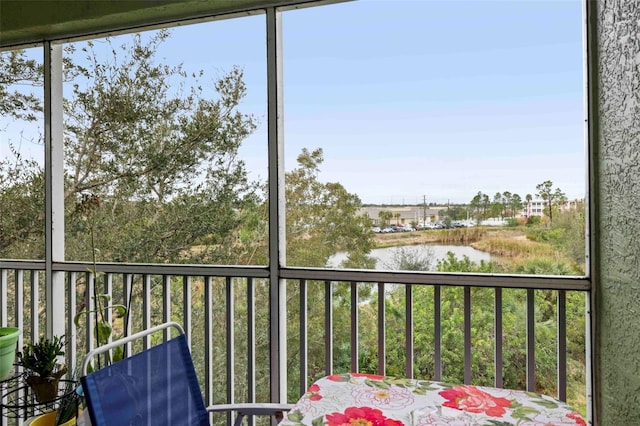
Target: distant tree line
507, 205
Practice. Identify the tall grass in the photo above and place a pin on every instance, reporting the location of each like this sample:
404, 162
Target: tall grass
461, 235
515, 248
464, 236
523, 256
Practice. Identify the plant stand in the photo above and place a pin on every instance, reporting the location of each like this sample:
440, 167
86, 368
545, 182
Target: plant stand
18, 399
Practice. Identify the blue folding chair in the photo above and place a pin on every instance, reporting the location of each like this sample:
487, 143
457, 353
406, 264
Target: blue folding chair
155, 387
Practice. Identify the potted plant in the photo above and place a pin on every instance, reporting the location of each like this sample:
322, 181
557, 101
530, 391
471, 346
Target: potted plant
48, 419
102, 322
8, 345
66, 409
40, 361
69, 406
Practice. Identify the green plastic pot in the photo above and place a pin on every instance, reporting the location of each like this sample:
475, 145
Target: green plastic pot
8, 346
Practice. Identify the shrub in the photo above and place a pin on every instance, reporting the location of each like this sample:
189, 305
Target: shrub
555, 236
533, 220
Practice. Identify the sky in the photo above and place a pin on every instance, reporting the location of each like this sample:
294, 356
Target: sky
414, 100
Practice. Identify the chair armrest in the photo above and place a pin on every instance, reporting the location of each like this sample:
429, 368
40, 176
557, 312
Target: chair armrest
250, 409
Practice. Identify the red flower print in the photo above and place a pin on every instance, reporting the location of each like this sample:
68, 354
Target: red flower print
313, 392
473, 400
577, 417
368, 376
338, 377
361, 416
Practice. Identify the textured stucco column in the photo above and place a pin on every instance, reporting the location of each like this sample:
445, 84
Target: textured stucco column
617, 210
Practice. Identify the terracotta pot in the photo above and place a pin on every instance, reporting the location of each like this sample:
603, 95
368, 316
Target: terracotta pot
46, 388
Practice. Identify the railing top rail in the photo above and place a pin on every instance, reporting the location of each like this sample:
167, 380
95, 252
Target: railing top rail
172, 269
450, 279
140, 268
37, 265
575, 283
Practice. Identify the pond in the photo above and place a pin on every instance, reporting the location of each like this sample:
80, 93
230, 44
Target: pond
387, 258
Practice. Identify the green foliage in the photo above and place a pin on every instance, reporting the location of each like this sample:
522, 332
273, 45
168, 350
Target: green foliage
512, 222
573, 244
322, 218
452, 264
546, 266
566, 235
19, 70
69, 404
103, 328
21, 180
479, 205
384, 217
41, 358
157, 147
514, 335
22, 204
457, 212
534, 220
551, 197
87, 209
446, 221
163, 161
553, 236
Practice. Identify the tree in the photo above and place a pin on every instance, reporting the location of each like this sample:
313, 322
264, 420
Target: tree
21, 193
158, 153
158, 149
480, 206
497, 206
515, 204
452, 264
19, 70
456, 212
322, 218
550, 197
384, 216
507, 198
22, 206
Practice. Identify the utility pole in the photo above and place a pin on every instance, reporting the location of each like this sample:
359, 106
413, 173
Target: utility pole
424, 209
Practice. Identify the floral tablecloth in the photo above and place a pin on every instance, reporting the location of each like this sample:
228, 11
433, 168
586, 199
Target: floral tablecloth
370, 400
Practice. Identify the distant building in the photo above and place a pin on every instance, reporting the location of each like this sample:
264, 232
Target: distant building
402, 214
533, 208
536, 207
